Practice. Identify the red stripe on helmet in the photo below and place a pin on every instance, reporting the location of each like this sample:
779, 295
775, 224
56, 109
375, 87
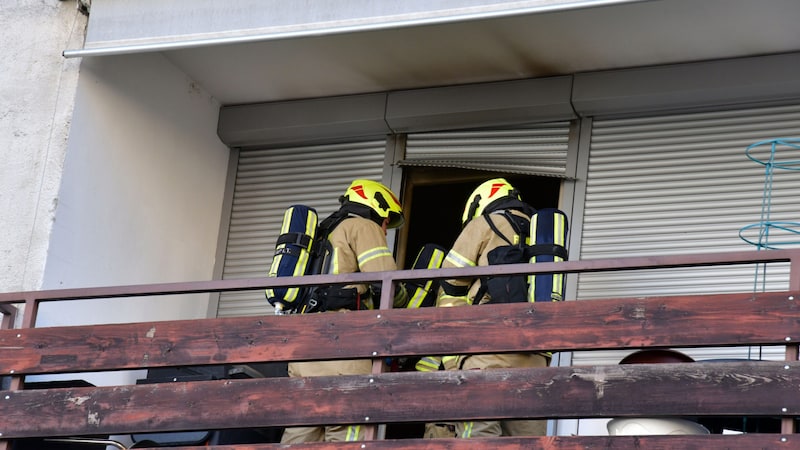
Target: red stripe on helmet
360, 191
495, 187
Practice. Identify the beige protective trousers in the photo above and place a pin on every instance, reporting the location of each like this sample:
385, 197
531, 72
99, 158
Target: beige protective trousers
504, 427
332, 433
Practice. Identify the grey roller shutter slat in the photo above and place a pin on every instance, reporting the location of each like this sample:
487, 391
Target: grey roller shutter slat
539, 149
682, 184
269, 181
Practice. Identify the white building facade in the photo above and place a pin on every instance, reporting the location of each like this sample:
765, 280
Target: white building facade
166, 146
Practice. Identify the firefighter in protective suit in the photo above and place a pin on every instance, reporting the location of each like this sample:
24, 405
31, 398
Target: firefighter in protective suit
358, 243
470, 249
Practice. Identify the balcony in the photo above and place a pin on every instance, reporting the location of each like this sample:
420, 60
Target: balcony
711, 390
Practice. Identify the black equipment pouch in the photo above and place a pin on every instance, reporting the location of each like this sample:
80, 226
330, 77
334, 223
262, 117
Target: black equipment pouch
332, 298
507, 288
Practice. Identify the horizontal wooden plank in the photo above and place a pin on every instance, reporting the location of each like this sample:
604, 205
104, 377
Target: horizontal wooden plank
658, 390
707, 442
703, 320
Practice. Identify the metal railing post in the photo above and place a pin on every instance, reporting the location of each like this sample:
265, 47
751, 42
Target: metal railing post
788, 425
378, 432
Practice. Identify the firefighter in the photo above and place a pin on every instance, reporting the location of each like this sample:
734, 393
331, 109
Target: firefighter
358, 244
470, 249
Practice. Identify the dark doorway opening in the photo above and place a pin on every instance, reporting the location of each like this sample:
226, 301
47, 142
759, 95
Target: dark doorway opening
434, 200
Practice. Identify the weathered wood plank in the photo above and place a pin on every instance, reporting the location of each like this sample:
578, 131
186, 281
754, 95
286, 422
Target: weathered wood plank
688, 389
708, 442
708, 320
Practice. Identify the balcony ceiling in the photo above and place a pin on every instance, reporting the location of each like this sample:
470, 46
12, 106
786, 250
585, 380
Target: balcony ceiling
538, 44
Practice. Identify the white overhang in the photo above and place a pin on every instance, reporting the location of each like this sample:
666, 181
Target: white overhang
255, 51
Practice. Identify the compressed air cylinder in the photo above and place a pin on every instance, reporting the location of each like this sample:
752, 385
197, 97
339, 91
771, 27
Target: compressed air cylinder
548, 236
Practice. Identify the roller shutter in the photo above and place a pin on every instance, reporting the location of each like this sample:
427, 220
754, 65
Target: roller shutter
270, 180
681, 184
539, 149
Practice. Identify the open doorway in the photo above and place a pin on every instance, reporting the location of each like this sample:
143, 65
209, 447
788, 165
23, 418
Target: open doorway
434, 200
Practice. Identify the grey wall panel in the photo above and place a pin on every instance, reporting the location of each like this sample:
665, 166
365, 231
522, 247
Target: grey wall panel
358, 116
693, 85
487, 104
678, 184
303, 121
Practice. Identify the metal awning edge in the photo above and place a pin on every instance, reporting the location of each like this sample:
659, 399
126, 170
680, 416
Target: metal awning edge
108, 48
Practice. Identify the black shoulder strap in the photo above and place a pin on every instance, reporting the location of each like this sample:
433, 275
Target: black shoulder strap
519, 229
321, 247
496, 231
522, 225
331, 222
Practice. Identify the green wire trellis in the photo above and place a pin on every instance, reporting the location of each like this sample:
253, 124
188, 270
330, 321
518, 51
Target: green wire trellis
773, 154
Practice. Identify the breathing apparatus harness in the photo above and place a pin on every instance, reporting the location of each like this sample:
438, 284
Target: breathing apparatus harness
334, 297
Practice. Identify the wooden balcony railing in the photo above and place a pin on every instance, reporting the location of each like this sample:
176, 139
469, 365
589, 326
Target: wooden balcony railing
701, 389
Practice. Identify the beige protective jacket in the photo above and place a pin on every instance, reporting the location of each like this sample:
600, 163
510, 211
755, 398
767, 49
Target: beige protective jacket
359, 245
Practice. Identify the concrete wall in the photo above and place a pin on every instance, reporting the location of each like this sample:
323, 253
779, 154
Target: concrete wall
114, 177
141, 194
142, 189
37, 90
